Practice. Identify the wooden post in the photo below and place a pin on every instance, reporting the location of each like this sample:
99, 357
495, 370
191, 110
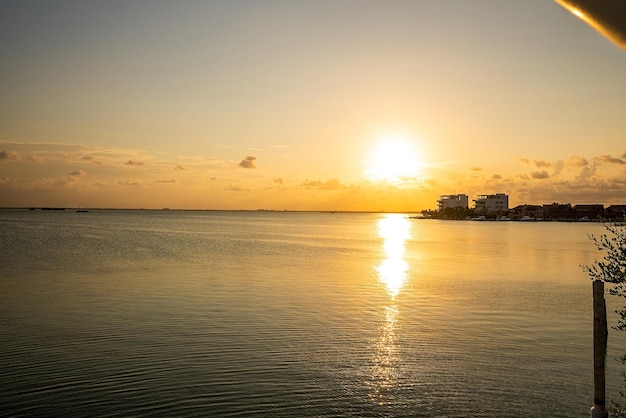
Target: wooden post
600, 334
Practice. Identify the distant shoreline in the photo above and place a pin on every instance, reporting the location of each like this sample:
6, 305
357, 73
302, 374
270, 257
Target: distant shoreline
207, 210
410, 215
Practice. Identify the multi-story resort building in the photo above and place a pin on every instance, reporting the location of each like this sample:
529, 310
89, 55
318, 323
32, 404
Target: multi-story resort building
453, 201
488, 203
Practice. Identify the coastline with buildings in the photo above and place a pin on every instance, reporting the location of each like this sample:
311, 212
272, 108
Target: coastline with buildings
496, 207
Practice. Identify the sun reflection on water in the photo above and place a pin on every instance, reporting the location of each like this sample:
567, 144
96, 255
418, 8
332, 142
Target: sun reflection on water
384, 370
393, 272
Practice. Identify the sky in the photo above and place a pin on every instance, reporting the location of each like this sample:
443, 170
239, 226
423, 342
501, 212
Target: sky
306, 104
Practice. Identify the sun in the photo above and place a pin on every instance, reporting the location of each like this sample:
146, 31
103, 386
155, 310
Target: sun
394, 158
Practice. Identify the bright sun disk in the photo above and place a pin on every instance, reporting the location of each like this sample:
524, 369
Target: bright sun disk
394, 159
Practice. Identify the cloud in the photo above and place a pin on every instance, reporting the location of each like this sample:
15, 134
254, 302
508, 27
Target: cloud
559, 166
77, 173
278, 181
476, 169
49, 183
577, 161
248, 162
583, 190
90, 159
133, 162
610, 159
285, 146
542, 163
127, 183
623, 154
496, 177
587, 173
36, 159
9, 155
540, 175
236, 189
332, 184
179, 167
311, 184
167, 181
536, 163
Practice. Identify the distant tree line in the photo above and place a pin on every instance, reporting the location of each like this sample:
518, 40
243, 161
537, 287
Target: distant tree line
549, 212
457, 213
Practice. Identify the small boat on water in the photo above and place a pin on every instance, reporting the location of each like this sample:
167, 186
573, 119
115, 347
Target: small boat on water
81, 210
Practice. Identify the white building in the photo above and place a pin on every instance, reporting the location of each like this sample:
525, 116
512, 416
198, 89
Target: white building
453, 201
498, 202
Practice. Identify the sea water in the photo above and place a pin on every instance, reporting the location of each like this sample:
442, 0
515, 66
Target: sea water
181, 313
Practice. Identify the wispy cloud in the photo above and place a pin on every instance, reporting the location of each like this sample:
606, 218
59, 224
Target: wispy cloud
133, 162
9, 155
90, 159
332, 184
610, 159
311, 184
542, 163
231, 188
78, 173
536, 163
540, 174
128, 183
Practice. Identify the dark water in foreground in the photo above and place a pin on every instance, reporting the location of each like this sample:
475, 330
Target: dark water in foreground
143, 313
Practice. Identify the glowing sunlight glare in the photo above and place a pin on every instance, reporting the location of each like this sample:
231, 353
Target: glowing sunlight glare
394, 159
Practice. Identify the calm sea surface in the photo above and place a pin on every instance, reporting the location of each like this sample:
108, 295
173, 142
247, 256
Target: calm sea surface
144, 313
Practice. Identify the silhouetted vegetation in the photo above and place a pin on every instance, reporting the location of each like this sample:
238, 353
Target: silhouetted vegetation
451, 213
612, 270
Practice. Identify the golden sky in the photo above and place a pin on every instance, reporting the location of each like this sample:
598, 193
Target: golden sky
306, 105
